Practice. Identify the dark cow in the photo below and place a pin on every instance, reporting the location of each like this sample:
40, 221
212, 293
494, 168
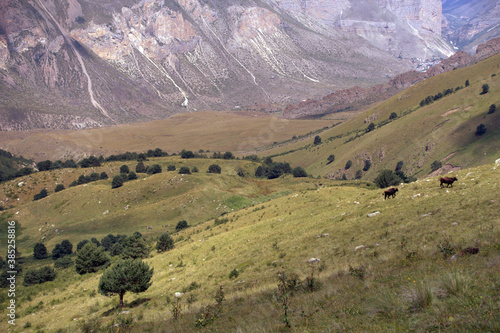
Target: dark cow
447, 180
390, 192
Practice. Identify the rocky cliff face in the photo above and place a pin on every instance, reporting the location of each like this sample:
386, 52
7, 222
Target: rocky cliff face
76, 63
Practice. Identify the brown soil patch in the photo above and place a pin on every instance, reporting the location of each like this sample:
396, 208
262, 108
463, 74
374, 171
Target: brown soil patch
447, 113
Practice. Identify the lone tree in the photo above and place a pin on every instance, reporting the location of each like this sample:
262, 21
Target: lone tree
367, 165
485, 88
181, 225
125, 275
393, 116
214, 168
348, 165
330, 159
164, 243
40, 251
370, 127
480, 130
90, 259
317, 140
299, 172
492, 108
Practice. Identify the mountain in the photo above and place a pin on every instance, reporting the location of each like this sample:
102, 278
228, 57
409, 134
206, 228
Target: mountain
468, 23
358, 97
89, 63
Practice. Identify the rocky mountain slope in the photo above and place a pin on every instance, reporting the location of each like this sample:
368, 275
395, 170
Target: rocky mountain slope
356, 97
84, 64
468, 23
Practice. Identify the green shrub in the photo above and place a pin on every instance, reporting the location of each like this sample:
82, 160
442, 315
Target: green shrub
234, 274
42, 194
117, 182
59, 188
387, 178
42, 275
214, 168
184, 170
181, 225
299, 172
40, 251
164, 243
63, 263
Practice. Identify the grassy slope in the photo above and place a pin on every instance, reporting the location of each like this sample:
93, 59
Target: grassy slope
158, 201
221, 131
261, 239
417, 138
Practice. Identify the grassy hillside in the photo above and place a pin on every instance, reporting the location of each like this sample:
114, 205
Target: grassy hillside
442, 131
157, 201
381, 273
221, 131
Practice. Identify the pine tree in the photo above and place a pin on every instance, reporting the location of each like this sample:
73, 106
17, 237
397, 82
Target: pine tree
40, 251
135, 247
164, 243
387, 178
117, 182
140, 168
67, 247
90, 259
125, 275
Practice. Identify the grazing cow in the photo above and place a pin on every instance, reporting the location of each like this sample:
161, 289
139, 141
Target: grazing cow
390, 192
447, 180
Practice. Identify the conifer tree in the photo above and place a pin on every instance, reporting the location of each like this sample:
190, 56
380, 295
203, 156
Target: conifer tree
164, 243
40, 251
125, 275
135, 247
90, 259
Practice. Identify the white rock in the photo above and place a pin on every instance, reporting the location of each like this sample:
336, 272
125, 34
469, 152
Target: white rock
359, 247
178, 295
313, 260
373, 214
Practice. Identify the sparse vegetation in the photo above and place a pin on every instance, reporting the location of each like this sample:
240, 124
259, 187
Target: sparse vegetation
436, 165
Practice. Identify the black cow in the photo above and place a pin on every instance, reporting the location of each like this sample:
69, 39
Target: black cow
390, 192
447, 180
